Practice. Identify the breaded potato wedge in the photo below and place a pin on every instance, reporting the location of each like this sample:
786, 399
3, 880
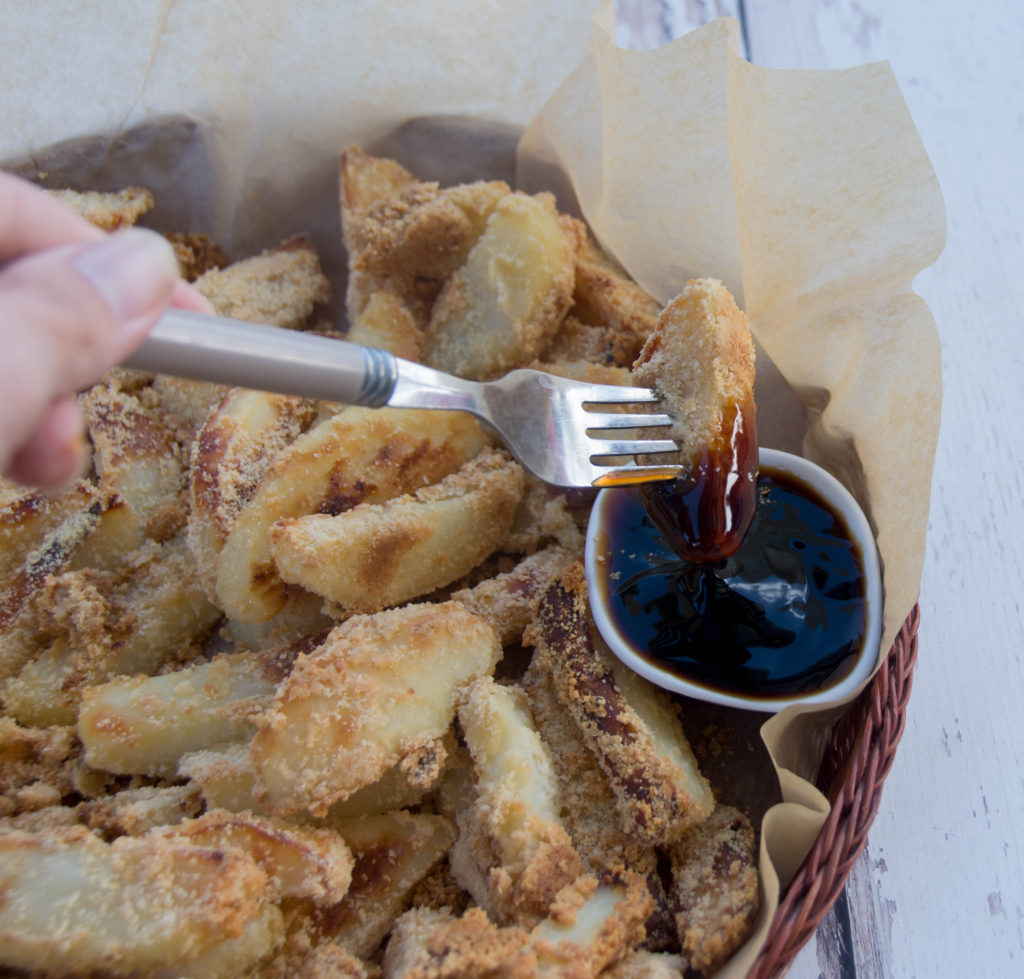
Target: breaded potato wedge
196, 252
357, 455
107, 624
300, 861
36, 766
73, 903
139, 454
628, 723
364, 180
28, 516
392, 853
588, 809
226, 779
108, 209
378, 555
232, 451
144, 724
715, 888
386, 322
499, 309
509, 600
700, 358
605, 298
19, 618
403, 238
377, 689
513, 854
134, 812
594, 925
424, 231
279, 287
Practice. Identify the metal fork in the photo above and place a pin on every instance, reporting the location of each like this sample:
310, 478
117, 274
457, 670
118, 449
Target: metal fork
545, 421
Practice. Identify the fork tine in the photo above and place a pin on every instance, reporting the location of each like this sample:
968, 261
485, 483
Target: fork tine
596, 419
615, 394
624, 447
630, 475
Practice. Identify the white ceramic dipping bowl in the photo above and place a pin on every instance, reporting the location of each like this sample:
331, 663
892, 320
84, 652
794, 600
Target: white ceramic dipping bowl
834, 493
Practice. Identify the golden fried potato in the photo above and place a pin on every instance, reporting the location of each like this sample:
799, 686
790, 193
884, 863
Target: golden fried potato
108, 210
499, 309
358, 455
237, 443
279, 287
108, 623
628, 723
378, 688
144, 724
513, 853
377, 555
73, 903
715, 887
299, 861
33, 559
392, 853
509, 601
139, 454
385, 321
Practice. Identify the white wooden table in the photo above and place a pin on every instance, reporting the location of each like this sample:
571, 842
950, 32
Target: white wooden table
939, 890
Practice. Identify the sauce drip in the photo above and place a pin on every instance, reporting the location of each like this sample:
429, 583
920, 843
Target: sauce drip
705, 514
784, 614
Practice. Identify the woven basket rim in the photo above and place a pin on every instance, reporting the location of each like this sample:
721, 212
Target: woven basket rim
857, 758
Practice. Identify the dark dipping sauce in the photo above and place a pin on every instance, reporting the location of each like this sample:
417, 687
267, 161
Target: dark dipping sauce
784, 614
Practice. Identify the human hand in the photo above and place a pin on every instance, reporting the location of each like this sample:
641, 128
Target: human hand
74, 302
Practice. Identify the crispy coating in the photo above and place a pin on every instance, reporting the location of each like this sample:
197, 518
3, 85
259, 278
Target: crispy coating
134, 620
393, 853
513, 854
626, 722
134, 812
371, 693
591, 926
229, 457
499, 309
197, 253
606, 298
358, 455
379, 555
108, 210
509, 600
404, 237
585, 793
700, 358
715, 888
35, 766
149, 903
279, 287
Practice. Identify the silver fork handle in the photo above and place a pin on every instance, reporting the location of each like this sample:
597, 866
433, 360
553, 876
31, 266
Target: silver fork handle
267, 358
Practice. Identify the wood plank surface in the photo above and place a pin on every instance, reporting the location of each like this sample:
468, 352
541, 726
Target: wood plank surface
938, 890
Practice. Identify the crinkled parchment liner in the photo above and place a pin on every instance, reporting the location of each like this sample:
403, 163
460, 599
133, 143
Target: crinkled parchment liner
808, 192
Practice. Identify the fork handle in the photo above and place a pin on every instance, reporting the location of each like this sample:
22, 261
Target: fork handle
266, 358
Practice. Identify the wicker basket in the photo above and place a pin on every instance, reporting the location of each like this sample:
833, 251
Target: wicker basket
858, 757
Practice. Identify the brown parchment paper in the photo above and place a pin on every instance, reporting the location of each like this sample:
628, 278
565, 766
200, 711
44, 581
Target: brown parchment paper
808, 193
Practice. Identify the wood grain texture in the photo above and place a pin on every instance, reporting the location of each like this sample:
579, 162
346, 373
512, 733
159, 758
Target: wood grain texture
939, 888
